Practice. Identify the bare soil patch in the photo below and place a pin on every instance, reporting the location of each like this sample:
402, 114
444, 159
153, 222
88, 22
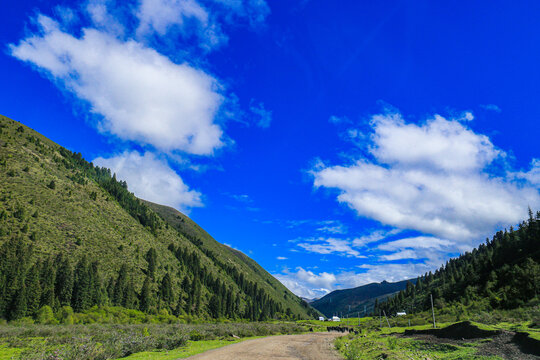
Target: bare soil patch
314, 346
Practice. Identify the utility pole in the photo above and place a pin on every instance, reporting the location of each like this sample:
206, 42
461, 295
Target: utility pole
432, 311
388, 322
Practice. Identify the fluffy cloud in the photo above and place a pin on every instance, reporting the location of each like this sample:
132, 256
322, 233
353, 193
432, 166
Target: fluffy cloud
141, 94
432, 178
307, 284
152, 179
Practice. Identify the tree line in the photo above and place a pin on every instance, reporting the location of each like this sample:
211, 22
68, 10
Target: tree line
502, 273
29, 282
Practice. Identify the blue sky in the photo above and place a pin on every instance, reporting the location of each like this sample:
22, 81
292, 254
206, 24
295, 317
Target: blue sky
336, 143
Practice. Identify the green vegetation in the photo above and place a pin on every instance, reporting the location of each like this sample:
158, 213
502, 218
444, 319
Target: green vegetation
73, 238
375, 346
376, 340
503, 273
148, 341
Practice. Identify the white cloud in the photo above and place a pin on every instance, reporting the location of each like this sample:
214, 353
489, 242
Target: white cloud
439, 144
141, 94
101, 18
161, 16
431, 178
374, 236
418, 242
307, 284
400, 255
333, 229
281, 258
151, 178
193, 18
330, 246
532, 176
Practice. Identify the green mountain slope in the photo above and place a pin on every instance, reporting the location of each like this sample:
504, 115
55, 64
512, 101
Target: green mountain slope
503, 273
71, 234
357, 300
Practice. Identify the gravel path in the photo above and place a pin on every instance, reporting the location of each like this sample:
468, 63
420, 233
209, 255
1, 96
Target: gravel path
314, 346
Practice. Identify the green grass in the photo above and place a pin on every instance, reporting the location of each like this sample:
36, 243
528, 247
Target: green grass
7, 353
377, 345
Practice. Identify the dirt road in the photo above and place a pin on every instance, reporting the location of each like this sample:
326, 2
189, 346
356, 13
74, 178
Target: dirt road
314, 346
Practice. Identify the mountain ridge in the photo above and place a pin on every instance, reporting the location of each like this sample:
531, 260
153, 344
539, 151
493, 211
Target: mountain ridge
361, 299
54, 203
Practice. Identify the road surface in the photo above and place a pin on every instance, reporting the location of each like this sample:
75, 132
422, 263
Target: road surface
313, 346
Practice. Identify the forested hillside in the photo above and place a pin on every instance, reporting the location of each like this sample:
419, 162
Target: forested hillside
72, 235
360, 299
503, 273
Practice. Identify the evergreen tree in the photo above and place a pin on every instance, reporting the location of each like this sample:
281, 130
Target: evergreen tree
145, 303
165, 291
151, 258
33, 290
47, 279
81, 299
64, 281
120, 287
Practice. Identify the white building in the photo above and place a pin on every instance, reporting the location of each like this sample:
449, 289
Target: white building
401, 313
335, 318
321, 318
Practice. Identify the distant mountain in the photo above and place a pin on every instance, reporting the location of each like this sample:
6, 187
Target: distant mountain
308, 300
357, 300
502, 273
71, 234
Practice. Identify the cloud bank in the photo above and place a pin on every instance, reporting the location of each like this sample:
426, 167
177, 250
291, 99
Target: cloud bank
433, 177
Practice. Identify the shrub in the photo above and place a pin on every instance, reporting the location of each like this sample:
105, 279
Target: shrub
45, 316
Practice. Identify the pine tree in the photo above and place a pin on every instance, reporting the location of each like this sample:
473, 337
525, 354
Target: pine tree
47, 279
120, 286
146, 295
165, 291
151, 257
81, 289
64, 281
33, 290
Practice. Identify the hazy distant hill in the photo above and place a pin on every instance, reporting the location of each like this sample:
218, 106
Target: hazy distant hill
358, 299
72, 234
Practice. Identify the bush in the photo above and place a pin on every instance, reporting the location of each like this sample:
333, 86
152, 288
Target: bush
65, 315
45, 316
